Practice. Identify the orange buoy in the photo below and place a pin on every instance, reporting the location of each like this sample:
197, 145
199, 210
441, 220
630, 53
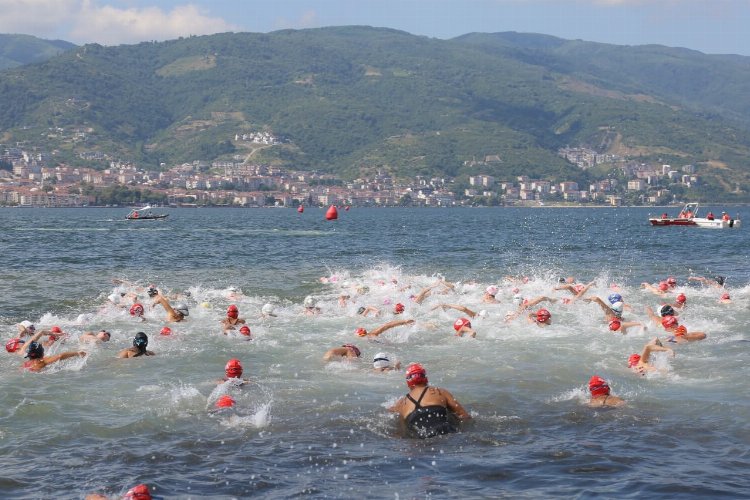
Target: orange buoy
300, 209
332, 213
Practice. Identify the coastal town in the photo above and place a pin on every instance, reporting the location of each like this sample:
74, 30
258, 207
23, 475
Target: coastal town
32, 179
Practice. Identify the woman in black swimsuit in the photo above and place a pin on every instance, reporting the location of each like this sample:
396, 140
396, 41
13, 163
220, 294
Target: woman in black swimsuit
428, 411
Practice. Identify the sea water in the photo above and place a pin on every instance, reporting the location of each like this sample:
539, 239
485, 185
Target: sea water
306, 428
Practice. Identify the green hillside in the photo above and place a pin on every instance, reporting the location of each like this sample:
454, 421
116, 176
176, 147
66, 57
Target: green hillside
351, 100
17, 50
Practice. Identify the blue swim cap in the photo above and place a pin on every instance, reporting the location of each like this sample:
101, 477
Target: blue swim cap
614, 297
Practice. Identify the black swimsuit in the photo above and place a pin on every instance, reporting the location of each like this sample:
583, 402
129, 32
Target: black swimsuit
428, 421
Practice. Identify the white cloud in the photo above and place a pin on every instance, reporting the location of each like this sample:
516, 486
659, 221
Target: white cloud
309, 19
84, 21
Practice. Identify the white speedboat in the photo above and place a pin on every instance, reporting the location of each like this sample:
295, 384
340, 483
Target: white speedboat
144, 214
688, 216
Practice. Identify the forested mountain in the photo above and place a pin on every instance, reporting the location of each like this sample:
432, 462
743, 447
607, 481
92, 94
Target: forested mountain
17, 50
352, 100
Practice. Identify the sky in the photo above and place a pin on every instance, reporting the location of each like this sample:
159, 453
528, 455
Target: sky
709, 26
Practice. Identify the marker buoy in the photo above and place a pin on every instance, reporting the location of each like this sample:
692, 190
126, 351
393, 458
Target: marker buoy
332, 213
300, 209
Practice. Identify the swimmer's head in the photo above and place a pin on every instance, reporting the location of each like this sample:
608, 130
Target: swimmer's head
380, 360
720, 280
615, 325
633, 360
226, 401
614, 298
140, 341
28, 325
233, 368
353, 348
416, 375
267, 310
361, 310
617, 308
681, 298
669, 322
245, 330
461, 323
681, 331
13, 344
152, 291
233, 312
55, 329
182, 308
35, 351
491, 290
166, 331
114, 298
672, 282
517, 299
139, 492
543, 315
136, 310
598, 386
361, 332
309, 302
666, 310
104, 335
663, 286
398, 308
725, 296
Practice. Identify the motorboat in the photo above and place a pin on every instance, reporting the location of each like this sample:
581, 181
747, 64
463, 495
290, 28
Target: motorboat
688, 216
144, 213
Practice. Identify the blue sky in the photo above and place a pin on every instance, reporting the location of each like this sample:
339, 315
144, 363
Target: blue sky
710, 26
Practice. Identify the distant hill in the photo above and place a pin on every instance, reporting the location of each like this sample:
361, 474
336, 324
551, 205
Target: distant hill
354, 100
17, 50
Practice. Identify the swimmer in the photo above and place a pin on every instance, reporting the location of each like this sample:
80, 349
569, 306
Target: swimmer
344, 300
233, 373
716, 281
578, 290
661, 289
458, 307
267, 311
174, 314
225, 401
611, 311
361, 332
426, 411
94, 338
616, 325
600, 396
18, 345
55, 334
541, 318
26, 329
233, 318
679, 332
38, 361
346, 351
489, 295
140, 342
399, 308
680, 301
664, 311
311, 307
463, 326
524, 304
639, 363
725, 298
139, 492
245, 331
367, 310
382, 363
137, 310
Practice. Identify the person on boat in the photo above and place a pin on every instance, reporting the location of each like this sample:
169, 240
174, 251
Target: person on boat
232, 319
38, 361
346, 351
725, 217
94, 338
311, 306
639, 363
489, 295
174, 314
600, 394
428, 411
361, 332
140, 342
710, 216
463, 327
716, 281
382, 363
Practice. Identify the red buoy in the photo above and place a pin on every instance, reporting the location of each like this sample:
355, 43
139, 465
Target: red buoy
300, 209
332, 213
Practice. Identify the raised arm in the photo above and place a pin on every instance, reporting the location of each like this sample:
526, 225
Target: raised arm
599, 301
536, 300
391, 324
457, 307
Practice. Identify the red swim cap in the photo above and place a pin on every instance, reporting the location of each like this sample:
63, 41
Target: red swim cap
233, 368
672, 281
13, 344
681, 331
633, 360
55, 329
578, 288
460, 323
615, 325
543, 315
226, 401
361, 332
139, 492
353, 348
598, 386
663, 286
399, 308
233, 312
245, 330
725, 296
415, 375
681, 298
166, 331
668, 321
136, 310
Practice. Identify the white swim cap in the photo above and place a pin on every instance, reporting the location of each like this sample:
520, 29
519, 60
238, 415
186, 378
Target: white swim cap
267, 309
114, 298
309, 301
517, 299
483, 313
381, 360
27, 324
617, 307
182, 309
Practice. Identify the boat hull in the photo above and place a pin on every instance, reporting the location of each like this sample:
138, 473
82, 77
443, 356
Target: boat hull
697, 222
148, 217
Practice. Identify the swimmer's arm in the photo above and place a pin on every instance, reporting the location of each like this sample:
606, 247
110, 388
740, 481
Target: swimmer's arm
656, 319
389, 325
454, 405
65, 355
396, 407
536, 300
582, 292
